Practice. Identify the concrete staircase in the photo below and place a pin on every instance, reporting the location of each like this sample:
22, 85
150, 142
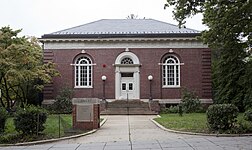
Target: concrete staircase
130, 107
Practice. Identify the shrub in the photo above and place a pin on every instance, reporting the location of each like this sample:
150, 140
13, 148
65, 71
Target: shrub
30, 120
248, 115
171, 109
9, 138
180, 110
63, 103
3, 117
221, 117
248, 101
190, 102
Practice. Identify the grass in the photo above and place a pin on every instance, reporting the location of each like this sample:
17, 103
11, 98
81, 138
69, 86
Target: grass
193, 122
51, 130
9, 126
52, 125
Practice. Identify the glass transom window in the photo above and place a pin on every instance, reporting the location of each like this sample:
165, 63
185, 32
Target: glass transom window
171, 71
127, 60
83, 72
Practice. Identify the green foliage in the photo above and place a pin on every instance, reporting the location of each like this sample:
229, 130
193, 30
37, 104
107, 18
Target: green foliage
180, 110
3, 118
170, 110
22, 72
51, 130
248, 115
190, 102
221, 117
9, 138
229, 36
9, 126
246, 82
197, 122
184, 9
52, 126
191, 122
230, 68
63, 103
30, 120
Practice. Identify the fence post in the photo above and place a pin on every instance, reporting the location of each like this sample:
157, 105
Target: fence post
59, 125
37, 123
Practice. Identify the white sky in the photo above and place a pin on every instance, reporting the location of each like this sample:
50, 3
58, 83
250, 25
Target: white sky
38, 17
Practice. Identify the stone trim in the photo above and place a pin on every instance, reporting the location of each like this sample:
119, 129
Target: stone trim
123, 43
44, 40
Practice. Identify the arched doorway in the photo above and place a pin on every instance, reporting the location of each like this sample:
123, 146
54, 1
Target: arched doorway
127, 78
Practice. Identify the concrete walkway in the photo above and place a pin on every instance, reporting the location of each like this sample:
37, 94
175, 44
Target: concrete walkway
139, 133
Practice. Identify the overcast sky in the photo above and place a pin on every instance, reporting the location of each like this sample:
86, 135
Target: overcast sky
38, 17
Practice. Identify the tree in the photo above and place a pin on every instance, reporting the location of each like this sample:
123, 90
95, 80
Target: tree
230, 36
22, 72
132, 16
246, 81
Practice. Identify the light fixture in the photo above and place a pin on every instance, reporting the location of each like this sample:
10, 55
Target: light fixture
103, 87
103, 78
150, 77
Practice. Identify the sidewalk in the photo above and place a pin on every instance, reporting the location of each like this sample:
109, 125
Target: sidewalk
139, 133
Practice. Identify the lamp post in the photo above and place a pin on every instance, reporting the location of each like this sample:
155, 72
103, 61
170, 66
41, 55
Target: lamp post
150, 78
103, 80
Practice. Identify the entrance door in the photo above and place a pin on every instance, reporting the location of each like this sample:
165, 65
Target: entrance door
127, 76
127, 86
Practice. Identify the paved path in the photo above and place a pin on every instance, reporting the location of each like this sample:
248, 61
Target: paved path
139, 133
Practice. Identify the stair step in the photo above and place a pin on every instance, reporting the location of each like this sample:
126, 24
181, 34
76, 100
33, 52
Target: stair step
132, 107
125, 105
124, 112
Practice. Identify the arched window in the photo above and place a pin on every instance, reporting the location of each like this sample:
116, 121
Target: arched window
127, 60
83, 72
171, 71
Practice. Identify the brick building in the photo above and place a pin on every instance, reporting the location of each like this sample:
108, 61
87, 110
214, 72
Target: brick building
127, 51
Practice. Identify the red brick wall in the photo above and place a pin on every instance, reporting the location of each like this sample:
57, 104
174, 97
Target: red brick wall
195, 73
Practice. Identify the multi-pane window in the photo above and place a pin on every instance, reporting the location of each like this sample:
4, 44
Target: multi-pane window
171, 72
83, 72
127, 60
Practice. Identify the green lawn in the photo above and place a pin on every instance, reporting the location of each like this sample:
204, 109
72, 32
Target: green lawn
193, 122
51, 130
52, 125
9, 126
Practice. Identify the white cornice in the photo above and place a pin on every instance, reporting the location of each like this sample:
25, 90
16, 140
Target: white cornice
122, 43
46, 40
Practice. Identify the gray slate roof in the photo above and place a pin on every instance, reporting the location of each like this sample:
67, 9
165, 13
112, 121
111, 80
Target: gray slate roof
123, 28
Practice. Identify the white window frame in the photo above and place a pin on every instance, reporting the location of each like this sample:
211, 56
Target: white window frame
128, 61
175, 71
89, 72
